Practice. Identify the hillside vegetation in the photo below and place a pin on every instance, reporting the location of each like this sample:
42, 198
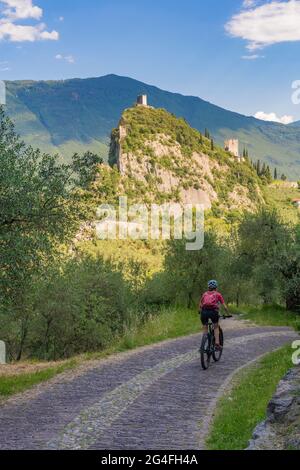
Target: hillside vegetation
280, 195
161, 159
78, 115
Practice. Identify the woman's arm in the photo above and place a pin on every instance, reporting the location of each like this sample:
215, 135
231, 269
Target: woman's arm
226, 308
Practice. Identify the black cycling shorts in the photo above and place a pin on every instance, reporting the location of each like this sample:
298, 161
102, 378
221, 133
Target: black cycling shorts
209, 314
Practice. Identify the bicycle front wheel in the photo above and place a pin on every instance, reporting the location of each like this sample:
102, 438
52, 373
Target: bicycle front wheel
205, 351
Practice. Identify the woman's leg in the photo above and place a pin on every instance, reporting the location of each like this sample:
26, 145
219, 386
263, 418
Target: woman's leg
217, 333
204, 321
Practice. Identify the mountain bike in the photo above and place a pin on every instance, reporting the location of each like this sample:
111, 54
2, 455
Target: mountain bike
208, 345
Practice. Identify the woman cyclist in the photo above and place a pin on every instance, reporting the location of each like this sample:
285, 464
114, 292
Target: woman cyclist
209, 307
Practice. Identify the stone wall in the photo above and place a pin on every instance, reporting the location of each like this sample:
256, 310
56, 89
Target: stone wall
281, 429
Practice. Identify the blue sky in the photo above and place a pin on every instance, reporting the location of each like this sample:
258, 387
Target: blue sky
240, 54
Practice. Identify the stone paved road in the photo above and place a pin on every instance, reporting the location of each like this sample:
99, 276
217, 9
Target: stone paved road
155, 398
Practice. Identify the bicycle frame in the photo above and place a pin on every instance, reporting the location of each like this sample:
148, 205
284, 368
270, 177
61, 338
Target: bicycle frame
211, 333
208, 349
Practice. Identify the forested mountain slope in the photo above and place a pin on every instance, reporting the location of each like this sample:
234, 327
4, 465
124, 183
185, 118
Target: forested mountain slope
74, 115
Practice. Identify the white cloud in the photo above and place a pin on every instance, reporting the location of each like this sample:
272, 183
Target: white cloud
61, 18
21, 9
16, 10
274, 118
252, 57
271, 23
4, 66
70, 59
19, 33
249, 3
67, 58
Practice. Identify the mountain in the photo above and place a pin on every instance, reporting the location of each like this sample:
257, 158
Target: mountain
158, 158
74, 115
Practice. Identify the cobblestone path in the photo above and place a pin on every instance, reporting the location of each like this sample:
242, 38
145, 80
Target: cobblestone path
154, 398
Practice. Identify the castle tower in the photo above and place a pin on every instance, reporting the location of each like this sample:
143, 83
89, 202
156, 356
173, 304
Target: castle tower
142, 100
232, 146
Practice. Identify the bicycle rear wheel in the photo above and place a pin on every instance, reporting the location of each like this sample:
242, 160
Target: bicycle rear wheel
205, 351
218, 354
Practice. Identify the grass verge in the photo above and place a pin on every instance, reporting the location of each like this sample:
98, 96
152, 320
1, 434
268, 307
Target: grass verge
244, 406
12, 384
269, 315
170, 323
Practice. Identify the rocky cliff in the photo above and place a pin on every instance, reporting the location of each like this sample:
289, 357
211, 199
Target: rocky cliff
163, 159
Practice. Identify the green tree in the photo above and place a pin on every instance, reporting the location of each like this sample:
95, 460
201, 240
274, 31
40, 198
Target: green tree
86, 168
79, 306
258, 167
207, 134
266, 174
288, 265
40, 208
269, 174
246, 155
189, 271
262, 238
